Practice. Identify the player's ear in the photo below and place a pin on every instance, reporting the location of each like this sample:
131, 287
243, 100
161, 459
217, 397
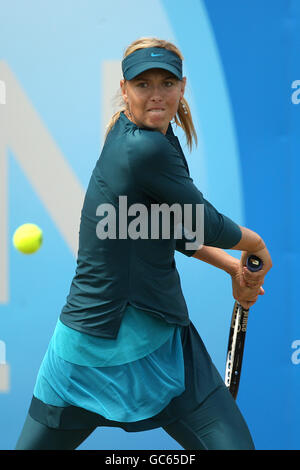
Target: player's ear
183, 84
123, 87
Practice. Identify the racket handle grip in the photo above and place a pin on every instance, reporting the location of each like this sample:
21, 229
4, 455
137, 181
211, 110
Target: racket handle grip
254, 263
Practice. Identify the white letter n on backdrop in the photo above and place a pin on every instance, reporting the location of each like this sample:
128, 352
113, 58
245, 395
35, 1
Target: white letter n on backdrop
41, 161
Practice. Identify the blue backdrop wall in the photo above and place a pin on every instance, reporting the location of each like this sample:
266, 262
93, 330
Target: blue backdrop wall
59, 70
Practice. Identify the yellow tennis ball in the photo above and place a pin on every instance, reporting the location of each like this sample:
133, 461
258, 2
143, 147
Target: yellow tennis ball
28, 238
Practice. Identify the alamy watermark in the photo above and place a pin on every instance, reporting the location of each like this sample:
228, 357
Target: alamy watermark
165, 222
4, 369
2, 92
295, 357
295, 97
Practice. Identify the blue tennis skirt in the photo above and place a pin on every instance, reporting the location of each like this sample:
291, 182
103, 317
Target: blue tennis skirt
128, 392
139, 395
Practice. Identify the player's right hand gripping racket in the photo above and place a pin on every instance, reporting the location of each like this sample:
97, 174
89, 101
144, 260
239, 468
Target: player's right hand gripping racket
237, 335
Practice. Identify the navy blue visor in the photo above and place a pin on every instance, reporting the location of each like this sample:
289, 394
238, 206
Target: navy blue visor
151, 58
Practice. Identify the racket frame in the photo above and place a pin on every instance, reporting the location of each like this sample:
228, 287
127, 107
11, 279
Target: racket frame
237, 336
235, 349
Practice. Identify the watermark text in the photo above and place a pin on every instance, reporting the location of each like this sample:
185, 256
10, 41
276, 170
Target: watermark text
2, 92
160, 221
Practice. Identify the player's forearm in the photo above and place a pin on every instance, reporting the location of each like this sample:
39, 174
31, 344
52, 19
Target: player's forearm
252, 244
250, 241
218, 258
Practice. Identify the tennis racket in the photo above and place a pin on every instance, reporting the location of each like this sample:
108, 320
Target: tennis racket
237, 335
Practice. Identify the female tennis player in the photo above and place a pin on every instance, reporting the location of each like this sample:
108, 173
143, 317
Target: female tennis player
124, 352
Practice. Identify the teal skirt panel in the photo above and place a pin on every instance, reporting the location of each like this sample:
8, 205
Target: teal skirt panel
129, 392
126, 379
200, 375
140, 334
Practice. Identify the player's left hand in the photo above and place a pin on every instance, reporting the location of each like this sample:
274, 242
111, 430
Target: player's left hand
245, 295
251, 279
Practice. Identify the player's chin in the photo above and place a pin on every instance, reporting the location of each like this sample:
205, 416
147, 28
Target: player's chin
247, 305
158, 121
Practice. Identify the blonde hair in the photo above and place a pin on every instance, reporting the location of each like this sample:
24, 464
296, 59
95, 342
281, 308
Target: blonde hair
183, 117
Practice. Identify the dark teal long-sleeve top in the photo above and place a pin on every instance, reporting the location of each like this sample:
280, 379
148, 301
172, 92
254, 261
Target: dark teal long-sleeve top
148, 168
